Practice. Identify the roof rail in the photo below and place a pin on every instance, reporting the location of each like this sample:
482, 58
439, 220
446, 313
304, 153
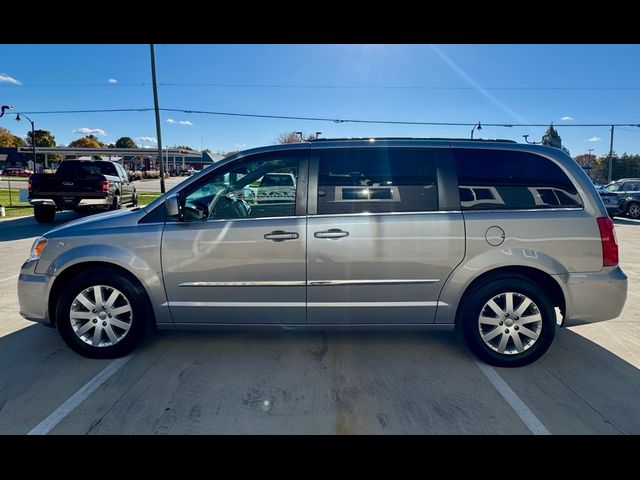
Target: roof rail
411, 138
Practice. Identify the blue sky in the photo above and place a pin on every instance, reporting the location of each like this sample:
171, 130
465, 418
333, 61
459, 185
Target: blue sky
56, 77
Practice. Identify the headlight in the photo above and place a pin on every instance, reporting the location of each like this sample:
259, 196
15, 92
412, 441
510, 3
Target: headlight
38, 248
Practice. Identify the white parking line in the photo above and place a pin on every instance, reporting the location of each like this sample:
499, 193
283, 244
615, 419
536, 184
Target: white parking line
77, 398
526, 415
8, 278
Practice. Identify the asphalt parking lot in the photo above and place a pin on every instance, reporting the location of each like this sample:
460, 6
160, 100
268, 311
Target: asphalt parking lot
284, 382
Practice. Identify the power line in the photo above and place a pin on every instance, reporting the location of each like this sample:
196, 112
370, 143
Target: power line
103, 110
333, 120
323, 86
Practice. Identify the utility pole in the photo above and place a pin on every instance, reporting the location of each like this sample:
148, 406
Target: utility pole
155, 103
610, 155
590, 157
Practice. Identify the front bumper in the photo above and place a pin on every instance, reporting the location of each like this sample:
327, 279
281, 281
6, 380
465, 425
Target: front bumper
33, 293
594, 297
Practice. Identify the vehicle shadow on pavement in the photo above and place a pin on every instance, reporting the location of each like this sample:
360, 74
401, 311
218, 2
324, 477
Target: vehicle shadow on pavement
28, 227
314, 382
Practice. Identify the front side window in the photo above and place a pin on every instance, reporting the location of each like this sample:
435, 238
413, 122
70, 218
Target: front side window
255, 187
377, 180
503, 179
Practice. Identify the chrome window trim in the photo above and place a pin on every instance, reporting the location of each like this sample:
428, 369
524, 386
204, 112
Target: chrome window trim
368, 214
520, 210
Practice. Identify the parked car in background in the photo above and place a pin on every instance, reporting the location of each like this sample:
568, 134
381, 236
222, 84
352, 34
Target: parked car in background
622, 197
493, 237
16, 172
80, 185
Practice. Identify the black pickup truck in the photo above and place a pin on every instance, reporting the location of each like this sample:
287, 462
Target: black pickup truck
80, 185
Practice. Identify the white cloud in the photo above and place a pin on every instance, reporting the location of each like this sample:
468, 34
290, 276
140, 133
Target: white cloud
594, 139
112, 81
4, 78
90, 131
147, 146
567, 118
147, 139
181, 122
241, 145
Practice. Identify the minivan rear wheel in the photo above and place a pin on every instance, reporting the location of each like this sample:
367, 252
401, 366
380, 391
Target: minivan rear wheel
508, 322
102, 314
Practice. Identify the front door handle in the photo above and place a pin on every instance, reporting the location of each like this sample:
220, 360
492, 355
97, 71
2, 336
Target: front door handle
331, 233
281, 236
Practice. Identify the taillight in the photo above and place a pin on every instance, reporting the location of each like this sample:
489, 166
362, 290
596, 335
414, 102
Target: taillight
105, 186
29, 185
609, 242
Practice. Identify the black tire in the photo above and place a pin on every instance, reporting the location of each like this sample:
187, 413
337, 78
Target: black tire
115, 205
474, 302
44, 213
141, 312
633, 210
134, 202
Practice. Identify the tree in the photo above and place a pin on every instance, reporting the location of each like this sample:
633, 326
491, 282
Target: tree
89, 141
552, 138
228, 154
295, 137
125, 142
8, 139
184, 147
587, 162
44, 138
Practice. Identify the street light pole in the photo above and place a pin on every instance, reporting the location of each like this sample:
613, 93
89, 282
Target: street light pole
610, 155
155, 102
33, 139
477, 126
590, 157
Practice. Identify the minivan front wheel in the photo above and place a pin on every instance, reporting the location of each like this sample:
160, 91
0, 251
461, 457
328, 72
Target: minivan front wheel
508, 322
102, 314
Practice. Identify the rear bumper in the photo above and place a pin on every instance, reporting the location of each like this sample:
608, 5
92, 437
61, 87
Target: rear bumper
61, 203
594, 297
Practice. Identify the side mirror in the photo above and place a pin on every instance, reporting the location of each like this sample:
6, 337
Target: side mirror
172, 204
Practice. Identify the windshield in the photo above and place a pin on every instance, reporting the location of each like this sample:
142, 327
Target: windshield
612, 187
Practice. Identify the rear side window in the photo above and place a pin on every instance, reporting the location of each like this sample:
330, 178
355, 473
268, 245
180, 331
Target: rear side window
376, 180
85, 168
503, 179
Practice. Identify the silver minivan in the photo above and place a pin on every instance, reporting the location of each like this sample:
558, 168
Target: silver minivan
503, 240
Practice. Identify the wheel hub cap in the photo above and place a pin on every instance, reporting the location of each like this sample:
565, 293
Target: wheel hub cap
500, 314
101, 315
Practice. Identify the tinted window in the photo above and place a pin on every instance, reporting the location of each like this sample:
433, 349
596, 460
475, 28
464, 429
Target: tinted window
507, 179
253, 187
377, 180
83, 168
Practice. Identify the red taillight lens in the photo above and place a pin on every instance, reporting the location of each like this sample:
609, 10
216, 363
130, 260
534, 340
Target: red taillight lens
105, 186
609, 242
29, 185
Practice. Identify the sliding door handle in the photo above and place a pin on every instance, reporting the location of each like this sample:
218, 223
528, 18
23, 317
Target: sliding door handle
331, 233
281, 236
